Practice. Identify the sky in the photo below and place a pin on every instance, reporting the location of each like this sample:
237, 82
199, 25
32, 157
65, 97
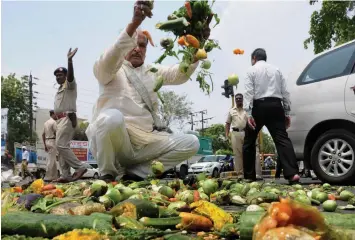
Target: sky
36, 37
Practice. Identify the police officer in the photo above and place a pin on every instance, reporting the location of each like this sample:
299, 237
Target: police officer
48, 137
237, 120
65, 115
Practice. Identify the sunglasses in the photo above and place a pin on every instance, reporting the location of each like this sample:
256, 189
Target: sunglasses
238, 99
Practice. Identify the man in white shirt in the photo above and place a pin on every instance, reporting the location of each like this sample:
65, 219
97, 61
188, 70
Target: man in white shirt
48, 137
125, 134
267, 102
25, 154
237, 120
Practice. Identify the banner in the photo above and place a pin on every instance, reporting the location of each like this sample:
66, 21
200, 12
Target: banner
80, 149
4, 112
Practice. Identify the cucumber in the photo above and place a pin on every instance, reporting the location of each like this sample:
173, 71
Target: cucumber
135, 208
160, 223
173, 24
127, 222
47, 225
167, 212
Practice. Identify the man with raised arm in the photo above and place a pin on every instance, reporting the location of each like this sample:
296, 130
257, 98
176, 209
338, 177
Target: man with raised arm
65, 115
126, 134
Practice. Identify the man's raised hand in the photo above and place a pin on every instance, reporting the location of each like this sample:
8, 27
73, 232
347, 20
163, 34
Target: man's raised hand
71, 53
142, 9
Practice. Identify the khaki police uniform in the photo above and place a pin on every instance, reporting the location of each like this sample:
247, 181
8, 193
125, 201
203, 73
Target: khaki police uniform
237, 118
64, 104
50, 128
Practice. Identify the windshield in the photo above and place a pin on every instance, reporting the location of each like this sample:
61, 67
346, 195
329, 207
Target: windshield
210, 158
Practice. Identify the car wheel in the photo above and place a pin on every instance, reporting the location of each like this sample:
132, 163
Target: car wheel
333, 156
183, 171
215, 173
96, 176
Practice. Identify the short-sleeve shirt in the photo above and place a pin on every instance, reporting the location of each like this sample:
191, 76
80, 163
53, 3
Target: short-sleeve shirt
26, 155
50, 128
237, 117
65, 98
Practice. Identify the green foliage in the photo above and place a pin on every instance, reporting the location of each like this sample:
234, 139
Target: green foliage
80, 132
333, 24
175, 108
224, 152
217, 133
268, 145
15, 97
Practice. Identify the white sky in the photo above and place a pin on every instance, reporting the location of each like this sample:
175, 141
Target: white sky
36, 36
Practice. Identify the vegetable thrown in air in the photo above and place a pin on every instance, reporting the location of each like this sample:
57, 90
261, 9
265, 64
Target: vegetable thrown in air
233, 79
157, 168
188, 24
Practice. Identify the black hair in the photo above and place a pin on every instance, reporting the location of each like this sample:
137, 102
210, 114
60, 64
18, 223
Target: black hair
259, 54
239, 94
51, 112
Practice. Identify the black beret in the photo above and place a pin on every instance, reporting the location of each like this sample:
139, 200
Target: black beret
60, 69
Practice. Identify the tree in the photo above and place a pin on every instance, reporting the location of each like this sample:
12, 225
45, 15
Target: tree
174, 108
79, 134
268, 145
15, 97
333, 24
217, 133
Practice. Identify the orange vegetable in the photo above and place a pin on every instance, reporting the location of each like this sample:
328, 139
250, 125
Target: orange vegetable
194, 222
287, 216
48, 187
191, 40
55, 192
114, 183
196, 196
182, 41
188, 9
150, 39
238, 51
173, 199
331, 197
16, 189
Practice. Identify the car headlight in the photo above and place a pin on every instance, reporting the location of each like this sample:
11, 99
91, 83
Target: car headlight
209, 165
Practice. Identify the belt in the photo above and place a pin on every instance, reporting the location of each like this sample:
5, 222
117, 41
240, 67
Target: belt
237, 130
60, 115
50, 138
268, 99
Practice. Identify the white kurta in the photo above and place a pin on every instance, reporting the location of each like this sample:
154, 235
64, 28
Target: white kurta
121, 131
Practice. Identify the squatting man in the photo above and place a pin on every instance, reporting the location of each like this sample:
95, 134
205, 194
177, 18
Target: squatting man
126, 134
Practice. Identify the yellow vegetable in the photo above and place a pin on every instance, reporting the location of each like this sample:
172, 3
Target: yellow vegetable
201, 54
81, 234
37, 186
212, 211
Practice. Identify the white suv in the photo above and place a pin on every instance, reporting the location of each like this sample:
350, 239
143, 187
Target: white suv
323, 113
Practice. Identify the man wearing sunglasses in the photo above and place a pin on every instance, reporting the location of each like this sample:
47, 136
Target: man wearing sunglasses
237, 120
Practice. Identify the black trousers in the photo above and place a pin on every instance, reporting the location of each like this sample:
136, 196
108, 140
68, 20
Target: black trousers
269, 112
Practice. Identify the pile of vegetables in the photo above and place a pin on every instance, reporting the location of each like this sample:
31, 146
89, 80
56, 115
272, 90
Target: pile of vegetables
161, 209
187, 24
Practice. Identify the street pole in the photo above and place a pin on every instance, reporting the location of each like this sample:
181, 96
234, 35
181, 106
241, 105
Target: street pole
31, 107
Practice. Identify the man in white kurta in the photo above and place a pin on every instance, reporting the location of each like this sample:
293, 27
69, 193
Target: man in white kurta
121, 132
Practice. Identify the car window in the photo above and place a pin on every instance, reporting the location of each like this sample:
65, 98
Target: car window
334, 64
210, 158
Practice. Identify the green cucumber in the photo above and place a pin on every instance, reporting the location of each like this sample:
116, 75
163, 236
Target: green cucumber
160, 223
173, 24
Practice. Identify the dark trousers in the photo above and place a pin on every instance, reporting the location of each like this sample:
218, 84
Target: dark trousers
269, 112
